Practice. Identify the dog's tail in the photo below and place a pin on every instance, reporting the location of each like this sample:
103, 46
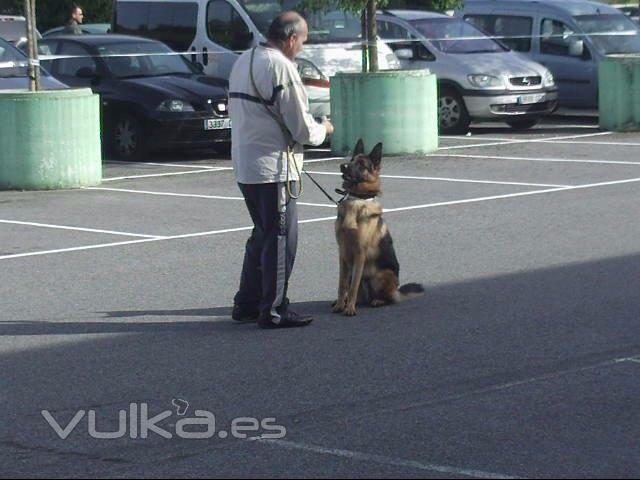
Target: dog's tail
408, 291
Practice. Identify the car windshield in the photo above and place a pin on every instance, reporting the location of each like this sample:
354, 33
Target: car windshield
13, 63
451, 35
611, 33
143, 59
328, 26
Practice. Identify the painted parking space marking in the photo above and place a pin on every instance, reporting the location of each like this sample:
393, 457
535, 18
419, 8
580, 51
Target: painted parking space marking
331, 218
77, 229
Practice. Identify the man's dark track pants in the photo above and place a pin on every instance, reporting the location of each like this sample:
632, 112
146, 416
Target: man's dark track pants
270, 251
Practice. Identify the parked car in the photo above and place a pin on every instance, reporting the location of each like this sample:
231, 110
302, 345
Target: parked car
13, 29
478, 78
152, 98
570, 37
13, 70
86, 28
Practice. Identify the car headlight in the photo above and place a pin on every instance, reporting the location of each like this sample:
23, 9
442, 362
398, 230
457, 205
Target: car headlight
175, 106
549, 81
485, 81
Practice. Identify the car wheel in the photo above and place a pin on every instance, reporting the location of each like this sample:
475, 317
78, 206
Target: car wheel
128, 140
523, 124
452, 113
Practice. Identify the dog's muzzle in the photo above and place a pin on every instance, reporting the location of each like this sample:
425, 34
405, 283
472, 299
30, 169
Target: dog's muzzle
347, 175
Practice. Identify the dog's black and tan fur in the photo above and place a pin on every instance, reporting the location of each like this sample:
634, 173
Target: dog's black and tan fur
369, 268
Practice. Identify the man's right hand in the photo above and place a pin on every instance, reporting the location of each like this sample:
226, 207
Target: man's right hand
329, 126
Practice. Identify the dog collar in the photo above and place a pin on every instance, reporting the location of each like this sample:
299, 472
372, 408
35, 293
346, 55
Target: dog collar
367, 197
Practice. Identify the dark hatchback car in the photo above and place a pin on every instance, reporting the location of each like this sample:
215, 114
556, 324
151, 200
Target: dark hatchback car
152, 98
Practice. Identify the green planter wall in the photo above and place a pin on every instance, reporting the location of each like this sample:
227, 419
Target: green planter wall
619, 92
398, 108
50, 139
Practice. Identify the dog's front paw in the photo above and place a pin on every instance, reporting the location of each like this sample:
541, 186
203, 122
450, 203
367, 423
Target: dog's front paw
349, 310
378, 303
337, 306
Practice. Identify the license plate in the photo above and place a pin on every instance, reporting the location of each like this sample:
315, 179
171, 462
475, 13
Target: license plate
217, 123
529, 99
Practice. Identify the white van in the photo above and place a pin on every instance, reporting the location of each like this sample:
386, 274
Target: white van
216, 31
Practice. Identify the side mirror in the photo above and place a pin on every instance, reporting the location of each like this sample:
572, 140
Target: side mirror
404, 54
576, 48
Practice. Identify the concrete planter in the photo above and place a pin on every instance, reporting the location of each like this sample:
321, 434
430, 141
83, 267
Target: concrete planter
619, 87
398, 108
50, 139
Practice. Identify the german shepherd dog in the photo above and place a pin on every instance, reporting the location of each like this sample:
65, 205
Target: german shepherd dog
369, 268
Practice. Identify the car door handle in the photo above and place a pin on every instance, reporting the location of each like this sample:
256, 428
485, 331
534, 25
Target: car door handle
193, 55
205, 56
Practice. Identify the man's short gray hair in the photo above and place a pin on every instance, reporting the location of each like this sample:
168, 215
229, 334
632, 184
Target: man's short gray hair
285, 26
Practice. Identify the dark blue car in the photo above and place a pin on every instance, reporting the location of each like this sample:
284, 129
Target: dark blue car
152, 98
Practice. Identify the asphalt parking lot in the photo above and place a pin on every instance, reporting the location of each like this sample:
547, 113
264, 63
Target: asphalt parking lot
521, 361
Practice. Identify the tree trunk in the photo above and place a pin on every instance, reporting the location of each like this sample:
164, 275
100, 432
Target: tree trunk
372, 35
32, 46
365, 44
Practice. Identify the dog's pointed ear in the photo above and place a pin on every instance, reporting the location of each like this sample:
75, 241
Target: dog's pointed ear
359, 150
376, 155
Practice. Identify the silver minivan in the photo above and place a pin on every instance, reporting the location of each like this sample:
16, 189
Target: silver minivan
570, 37
479, 78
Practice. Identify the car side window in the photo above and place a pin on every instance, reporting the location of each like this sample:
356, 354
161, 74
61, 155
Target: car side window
71, 66
173, 23
514, 31
392, 31
226, 27
555, 37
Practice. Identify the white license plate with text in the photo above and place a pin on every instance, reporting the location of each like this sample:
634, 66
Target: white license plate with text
217, 123
529, 99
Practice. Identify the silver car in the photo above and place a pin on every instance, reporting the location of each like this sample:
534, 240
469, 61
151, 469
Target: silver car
479, 78
13, 70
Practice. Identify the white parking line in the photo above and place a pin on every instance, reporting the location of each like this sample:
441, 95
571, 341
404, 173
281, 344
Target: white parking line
79, 229
612, 144
379, 459
533, 140
192, 195
172, 174
323, 219
457, 180
160, 164
528, 159
512, 195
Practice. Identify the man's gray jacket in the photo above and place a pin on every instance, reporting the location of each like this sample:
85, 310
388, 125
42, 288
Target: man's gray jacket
259, 146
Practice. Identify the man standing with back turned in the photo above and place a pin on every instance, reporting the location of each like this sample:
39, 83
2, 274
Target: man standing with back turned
269, 112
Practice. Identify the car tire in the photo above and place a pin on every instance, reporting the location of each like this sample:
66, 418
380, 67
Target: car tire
128, 139
453, 117
523, 124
